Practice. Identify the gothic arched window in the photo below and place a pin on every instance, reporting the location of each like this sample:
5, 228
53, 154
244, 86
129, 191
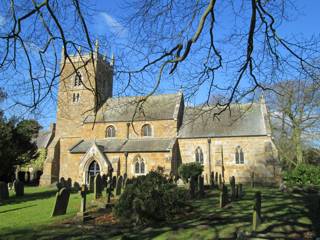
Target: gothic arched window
199, 155
93, 169
139, 166
239, 155
146, 130
78, 79
111, 131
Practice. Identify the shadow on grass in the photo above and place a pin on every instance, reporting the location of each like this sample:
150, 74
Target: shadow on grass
16, 209
30, 197
283, 217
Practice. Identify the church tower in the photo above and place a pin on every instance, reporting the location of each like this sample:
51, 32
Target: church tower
85, 83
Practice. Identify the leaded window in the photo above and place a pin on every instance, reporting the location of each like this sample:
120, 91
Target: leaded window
146, 130
199, 155
239, 155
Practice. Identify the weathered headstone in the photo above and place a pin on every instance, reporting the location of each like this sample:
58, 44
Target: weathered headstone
223, 196
233, 188
252, 179
192, 188
61, 202
216, 178
114, 182
125, 176
119, 185
201, 185
21, 176
4, 193
18, 188
27, 177
256, 216
212, 179
97, 187
69, 184
76, 187
91, 183
109, 187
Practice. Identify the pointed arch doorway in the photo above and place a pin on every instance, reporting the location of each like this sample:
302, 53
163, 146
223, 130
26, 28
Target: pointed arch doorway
93, 170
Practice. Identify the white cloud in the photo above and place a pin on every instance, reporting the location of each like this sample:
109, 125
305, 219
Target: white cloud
113, 25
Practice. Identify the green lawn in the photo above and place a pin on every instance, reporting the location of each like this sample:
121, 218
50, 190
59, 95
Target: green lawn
284, 216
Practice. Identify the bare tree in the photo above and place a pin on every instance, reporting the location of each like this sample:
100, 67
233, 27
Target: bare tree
296, 114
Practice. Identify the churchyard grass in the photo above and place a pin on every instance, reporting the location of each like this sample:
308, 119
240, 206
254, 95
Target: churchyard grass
284, 215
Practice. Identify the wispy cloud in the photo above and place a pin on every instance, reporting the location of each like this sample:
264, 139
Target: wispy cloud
113, 25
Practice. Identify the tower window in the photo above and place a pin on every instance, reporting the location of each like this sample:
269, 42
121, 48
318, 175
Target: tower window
239, 155
199, 155
76, 97
111, 131
146, 130
78, 79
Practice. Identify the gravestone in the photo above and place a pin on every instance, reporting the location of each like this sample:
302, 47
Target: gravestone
4, 193
18, 188
220, 181
201, 185
114, 182
252, 179
233, 187
119, 185
91, 183
125, 176
256, 216
61, 202
237, 191
83, 213
69, 184
212, 179
97, 186
192, 187
76, 187
223, 196
21, 176
216, 178
240, 190
109, 187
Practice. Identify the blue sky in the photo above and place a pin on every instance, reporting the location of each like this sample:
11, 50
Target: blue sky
107, 21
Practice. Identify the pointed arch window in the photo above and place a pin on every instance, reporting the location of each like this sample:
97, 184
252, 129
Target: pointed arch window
146, 130
139, 166
111, 131
93, 169
78, 79
199, 155
239, 155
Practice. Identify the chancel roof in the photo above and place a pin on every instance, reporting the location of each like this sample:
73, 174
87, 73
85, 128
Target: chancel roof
126, 145
239, 120
138, 108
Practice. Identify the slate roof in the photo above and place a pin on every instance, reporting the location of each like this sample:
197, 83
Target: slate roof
124, 145
241, 120
122, 109
43, 139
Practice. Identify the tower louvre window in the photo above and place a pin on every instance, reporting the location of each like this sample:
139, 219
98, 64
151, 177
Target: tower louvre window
78, 79
76, 97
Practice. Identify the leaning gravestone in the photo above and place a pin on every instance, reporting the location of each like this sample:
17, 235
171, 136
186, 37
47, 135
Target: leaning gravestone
119, 185
4, 193
201, 185
256, 216
97, 186
233, 188
61, 202
18, 188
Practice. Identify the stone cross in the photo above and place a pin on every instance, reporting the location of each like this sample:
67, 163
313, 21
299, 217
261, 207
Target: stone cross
4, 192
18, 188
61, 202
256, 216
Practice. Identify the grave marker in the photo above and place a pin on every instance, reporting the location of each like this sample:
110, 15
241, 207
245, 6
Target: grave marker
61, 202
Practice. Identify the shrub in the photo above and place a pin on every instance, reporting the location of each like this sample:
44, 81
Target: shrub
303, 174
187, 170
150, 198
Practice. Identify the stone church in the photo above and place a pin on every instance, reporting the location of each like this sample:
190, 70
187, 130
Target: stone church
135, 135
